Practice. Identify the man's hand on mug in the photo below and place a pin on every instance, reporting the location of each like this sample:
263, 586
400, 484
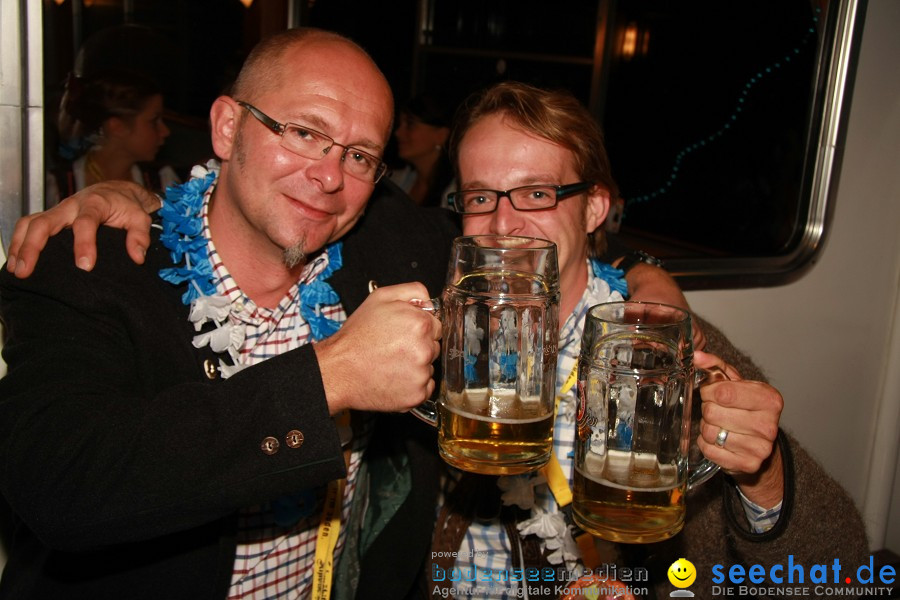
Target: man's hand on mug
738, 431
120, 204
381, 358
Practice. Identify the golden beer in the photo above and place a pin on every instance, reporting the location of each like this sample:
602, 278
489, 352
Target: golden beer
518, 442
495, 414
628, 498
633, 452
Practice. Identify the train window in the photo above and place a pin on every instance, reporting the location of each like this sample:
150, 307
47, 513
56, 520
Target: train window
723, 128
723, 120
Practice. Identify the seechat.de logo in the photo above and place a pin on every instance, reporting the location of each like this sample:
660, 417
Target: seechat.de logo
799, 580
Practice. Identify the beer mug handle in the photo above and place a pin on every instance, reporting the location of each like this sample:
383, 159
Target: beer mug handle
700, 472
427, 411
431, 305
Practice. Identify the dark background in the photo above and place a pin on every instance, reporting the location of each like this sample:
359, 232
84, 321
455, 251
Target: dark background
706, 117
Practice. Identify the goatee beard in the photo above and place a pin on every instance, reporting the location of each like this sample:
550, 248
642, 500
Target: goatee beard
294, 255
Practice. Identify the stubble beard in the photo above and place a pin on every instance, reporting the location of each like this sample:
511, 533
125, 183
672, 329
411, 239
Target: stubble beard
295, 254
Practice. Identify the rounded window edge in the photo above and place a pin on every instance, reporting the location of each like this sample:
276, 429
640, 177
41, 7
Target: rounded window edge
821, 179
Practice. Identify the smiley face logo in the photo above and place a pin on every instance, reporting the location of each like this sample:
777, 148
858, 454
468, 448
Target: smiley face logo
682, 573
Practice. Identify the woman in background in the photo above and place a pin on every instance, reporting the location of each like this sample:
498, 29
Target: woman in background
112, 128
423, 127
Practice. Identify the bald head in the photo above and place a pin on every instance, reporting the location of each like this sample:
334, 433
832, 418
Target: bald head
283, 54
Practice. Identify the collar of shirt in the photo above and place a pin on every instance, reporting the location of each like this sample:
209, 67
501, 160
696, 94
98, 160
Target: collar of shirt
268, 332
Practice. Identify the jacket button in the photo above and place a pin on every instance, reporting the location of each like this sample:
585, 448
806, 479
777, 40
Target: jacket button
269, 445
294, 438
209, 367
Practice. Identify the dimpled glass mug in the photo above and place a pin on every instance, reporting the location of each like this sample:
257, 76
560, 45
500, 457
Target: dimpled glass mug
635, 385
500, 313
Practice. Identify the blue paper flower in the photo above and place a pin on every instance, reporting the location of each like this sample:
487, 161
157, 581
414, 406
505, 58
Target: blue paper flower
614, 277
182, 228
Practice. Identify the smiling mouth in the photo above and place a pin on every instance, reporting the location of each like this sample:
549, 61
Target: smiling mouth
309, 211
679, 578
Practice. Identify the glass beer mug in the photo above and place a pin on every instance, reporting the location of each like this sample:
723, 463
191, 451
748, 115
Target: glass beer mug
500, 312
635, 385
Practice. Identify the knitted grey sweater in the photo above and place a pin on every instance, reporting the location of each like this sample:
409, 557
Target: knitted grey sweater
818, 524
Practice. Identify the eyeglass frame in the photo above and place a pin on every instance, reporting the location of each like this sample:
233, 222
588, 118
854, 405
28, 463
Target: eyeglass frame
280, 129
562, 192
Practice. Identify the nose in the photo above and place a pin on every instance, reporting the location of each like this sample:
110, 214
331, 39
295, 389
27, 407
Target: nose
506, 220
164, 130
328, 171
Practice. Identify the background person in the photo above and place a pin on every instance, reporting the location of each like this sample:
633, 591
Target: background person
112, 128
423, 127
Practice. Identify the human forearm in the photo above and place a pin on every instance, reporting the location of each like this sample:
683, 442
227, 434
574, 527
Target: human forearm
648, 283
818, 523
765, 487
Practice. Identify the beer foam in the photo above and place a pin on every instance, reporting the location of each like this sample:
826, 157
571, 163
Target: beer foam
630, 471
505, 420
613, 484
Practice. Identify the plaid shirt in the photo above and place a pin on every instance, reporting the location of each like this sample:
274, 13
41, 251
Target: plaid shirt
486, 544
273, 561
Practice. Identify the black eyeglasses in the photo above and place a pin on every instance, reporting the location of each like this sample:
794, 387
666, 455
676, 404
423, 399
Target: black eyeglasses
527, 197
309, 143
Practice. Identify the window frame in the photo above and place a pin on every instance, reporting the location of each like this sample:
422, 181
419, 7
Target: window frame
826, 133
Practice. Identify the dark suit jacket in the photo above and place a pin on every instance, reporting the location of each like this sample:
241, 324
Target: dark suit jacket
123, 464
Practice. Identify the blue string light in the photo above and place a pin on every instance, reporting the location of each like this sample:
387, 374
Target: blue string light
726, 127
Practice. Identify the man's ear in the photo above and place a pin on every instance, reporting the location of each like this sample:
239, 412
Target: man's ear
224, 119
596, 208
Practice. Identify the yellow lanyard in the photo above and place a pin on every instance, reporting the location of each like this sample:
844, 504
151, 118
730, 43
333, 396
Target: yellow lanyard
552, 471
329, 530
559, 484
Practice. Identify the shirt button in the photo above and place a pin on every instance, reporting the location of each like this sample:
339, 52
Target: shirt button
269, 445
239, 306
209, 368
294, 438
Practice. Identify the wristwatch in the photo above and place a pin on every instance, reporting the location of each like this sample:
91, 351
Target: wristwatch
636, 256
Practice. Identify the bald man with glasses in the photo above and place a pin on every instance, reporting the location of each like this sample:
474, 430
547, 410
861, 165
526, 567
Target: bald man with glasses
194, 427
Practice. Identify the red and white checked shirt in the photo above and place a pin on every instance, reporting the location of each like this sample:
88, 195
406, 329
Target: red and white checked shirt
274, 561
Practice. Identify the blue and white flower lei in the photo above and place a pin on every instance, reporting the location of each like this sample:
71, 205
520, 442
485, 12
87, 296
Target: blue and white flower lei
182, 227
